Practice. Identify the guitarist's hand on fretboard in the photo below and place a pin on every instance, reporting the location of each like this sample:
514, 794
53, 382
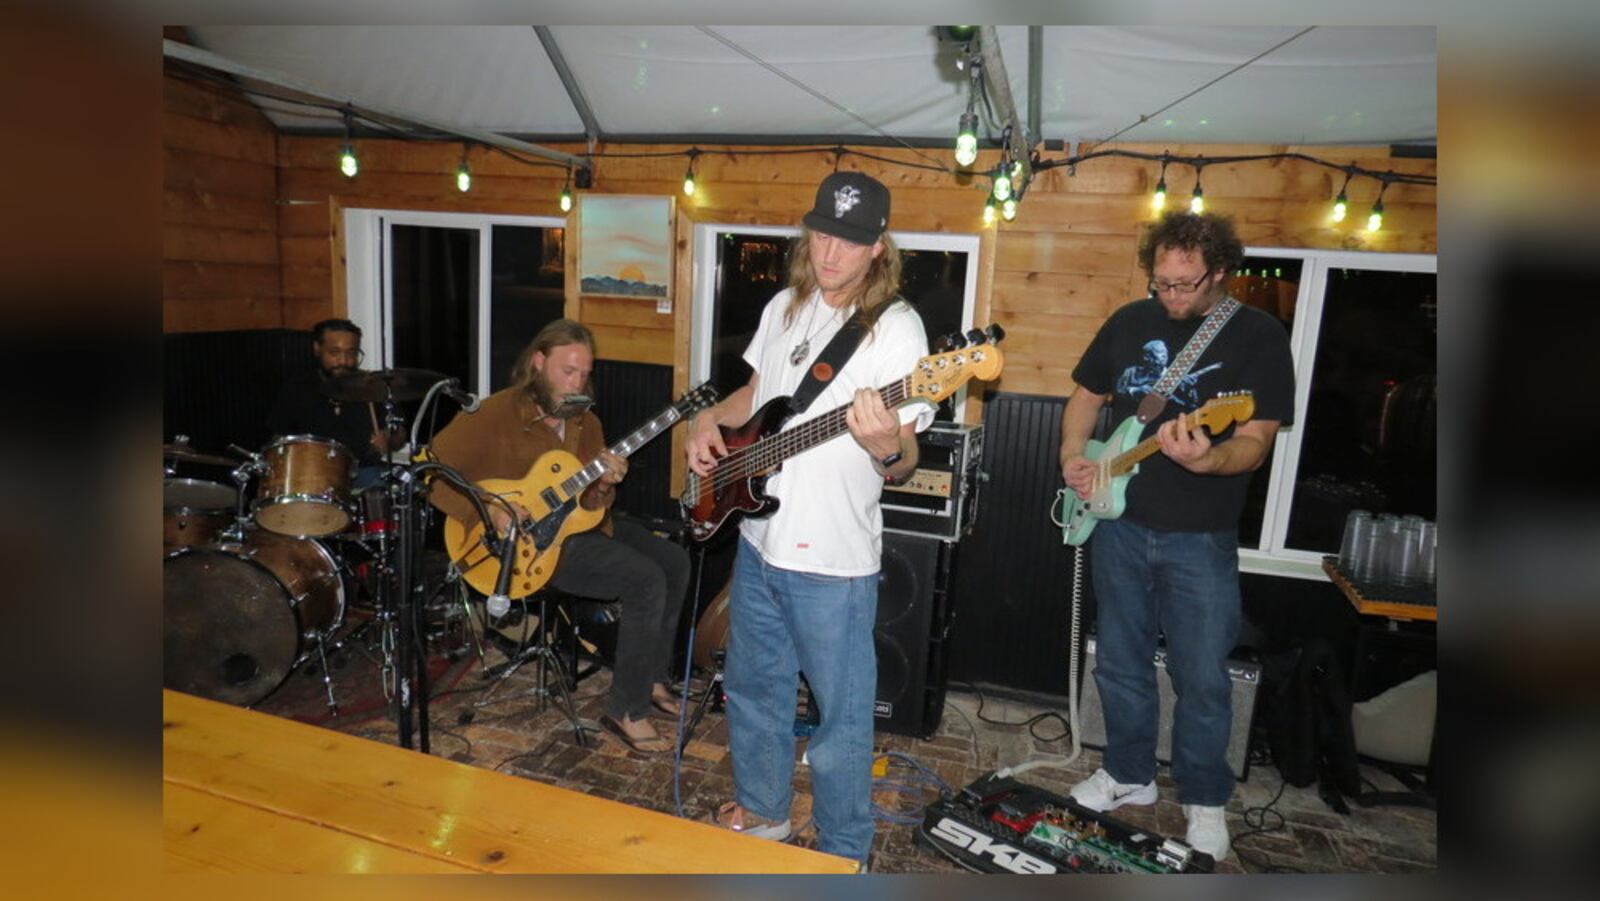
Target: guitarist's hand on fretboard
1186, 443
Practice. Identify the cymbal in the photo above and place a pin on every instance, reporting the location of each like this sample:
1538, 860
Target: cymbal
380, 385
189, 455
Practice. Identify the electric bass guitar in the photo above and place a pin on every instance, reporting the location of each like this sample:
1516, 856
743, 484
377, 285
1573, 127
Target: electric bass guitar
550, 492
1117, 462
758, 448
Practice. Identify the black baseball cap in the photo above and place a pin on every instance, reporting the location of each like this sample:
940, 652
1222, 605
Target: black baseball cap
852, 206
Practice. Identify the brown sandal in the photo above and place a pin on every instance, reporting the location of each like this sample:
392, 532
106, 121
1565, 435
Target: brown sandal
732, 816
608, 723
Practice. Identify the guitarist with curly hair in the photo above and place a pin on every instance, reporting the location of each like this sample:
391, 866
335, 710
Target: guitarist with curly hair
1169, 564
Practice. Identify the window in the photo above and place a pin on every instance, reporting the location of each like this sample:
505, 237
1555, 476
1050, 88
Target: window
1363, 328
456, 293
738, 268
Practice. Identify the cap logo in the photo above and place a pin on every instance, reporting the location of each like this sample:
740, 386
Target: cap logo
845, 198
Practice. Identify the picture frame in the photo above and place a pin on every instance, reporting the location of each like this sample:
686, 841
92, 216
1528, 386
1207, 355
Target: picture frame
625, 246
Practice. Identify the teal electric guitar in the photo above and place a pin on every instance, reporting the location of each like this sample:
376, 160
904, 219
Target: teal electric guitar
1118, 459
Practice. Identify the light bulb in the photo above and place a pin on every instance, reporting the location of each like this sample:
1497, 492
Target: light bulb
989, 212
1197, 203
1008, 210
1002, 187
1375, 220
1340, 204
463, 178
1158, 200
967, 140
566, 200
347, 161
688, 184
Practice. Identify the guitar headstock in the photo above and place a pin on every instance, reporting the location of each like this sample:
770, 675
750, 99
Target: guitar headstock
696, 399
973, 356
1226, 409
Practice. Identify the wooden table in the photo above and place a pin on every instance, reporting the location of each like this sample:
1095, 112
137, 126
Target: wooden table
248, 792
1395, 608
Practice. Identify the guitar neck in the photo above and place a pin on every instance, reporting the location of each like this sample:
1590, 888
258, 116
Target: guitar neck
1123, 463
772, 450
636, 439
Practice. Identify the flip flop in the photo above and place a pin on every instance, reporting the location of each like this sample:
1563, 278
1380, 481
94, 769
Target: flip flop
665, 707
615, 728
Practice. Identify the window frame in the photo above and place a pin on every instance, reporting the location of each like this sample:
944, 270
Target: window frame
1272, 556
369, 295
705, 278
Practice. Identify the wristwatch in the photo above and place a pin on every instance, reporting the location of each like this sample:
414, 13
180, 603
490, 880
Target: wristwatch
891, 459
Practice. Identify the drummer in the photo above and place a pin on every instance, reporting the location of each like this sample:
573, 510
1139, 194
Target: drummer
302, 409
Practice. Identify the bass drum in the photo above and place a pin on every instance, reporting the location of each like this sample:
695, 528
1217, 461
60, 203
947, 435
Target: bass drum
711, 632
238, 618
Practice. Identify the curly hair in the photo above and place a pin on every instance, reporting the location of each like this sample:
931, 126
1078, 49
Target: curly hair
1209, 233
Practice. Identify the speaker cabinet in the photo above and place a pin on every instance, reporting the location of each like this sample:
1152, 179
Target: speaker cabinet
911, 632
1246, 678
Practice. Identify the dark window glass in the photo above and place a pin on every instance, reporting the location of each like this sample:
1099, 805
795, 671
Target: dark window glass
1370, 439
526, 291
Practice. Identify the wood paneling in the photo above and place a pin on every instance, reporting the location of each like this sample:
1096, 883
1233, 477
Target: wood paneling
222, 268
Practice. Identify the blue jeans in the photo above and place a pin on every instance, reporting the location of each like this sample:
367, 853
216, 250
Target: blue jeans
782, 622
1185, 585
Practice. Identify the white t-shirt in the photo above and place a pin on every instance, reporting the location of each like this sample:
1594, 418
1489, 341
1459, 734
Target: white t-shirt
829, 520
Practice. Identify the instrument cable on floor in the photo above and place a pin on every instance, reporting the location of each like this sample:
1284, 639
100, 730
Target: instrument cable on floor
920, 779
1072, 674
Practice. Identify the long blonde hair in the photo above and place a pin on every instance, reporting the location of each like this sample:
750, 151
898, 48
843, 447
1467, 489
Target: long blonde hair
879, 287
556, 333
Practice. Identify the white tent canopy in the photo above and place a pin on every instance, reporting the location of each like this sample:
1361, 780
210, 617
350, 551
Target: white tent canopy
1331, 85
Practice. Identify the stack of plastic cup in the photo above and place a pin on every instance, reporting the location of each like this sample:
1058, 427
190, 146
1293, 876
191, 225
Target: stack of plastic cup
1357, 529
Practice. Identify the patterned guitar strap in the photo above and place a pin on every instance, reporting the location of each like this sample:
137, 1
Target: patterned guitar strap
1151, 405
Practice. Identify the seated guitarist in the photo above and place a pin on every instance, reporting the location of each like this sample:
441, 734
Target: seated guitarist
1170, 563
618, 560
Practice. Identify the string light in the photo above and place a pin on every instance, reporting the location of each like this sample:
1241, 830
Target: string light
566, 194
347, 152
688, 175
463, 174
1375, 218
1158, 200
967, 139
1342, 202
1008, 209
1197, 202
988, 212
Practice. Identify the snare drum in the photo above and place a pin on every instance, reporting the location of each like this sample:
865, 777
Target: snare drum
194, 513
305, 492
238, 618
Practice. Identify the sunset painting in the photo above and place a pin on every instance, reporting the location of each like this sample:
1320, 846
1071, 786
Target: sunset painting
624, 245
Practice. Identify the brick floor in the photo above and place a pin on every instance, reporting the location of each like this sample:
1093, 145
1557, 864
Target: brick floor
512, 735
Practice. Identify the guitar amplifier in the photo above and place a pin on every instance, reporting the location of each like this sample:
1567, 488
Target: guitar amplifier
1245, 676
940, 500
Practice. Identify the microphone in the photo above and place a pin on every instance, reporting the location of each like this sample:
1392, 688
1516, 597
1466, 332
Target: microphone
453, 390
499, 603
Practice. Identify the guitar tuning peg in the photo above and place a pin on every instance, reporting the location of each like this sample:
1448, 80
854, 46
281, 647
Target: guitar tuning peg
995, 332
976, 336
952, 341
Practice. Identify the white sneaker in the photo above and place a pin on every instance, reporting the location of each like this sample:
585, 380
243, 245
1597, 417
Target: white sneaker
1100, 792
1208, 830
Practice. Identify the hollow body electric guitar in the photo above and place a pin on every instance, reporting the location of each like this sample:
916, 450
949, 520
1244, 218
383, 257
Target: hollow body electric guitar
758, 448
1117, 460
550, 491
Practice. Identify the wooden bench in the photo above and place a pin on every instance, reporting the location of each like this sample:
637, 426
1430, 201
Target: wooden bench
248, 792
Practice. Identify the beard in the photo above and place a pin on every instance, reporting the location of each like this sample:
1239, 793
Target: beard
337, 371
544, 394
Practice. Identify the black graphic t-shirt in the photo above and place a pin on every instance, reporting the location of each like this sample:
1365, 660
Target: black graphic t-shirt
1125, 360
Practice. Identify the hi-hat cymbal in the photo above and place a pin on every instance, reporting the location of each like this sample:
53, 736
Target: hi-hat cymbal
380, 385
189, 455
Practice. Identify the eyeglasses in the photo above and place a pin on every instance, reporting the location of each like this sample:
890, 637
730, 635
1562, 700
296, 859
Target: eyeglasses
1155, 287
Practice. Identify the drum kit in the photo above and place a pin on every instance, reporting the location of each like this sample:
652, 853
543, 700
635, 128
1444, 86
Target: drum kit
258, 584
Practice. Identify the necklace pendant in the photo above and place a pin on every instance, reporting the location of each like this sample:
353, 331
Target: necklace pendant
799, 352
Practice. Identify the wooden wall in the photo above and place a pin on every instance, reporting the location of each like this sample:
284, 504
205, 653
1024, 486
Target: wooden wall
1050, 277
221, 267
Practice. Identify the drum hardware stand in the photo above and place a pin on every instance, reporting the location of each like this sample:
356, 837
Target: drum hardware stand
544, 658
713, 690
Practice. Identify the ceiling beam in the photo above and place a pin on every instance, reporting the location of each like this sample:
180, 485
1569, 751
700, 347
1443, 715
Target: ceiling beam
186, 53
994, 75
591, 125
1035, 83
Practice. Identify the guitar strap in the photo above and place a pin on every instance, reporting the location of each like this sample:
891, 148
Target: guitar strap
828, 363
1151, 405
